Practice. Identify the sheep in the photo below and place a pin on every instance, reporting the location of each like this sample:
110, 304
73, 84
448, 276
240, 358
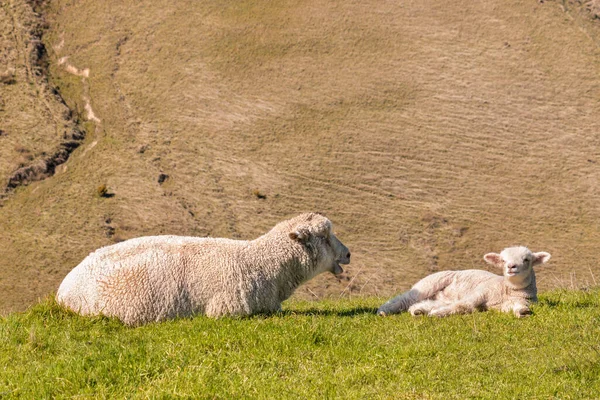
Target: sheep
463, 292
157, 278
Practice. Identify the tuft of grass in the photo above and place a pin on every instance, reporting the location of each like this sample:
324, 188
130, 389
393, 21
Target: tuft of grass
327, 349
258, 194
8, 76
101, 190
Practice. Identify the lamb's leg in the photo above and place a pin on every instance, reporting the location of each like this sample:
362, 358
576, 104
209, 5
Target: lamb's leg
424, 307
466, 305
425, 289
519, 308
399, 303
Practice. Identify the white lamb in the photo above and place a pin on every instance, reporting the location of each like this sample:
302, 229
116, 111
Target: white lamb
462, 292
163, 277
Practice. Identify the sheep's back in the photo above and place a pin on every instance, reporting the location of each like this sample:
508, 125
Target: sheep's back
469, 282
145, 279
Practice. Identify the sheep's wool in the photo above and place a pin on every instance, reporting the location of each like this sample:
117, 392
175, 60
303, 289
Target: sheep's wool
461, 292
161, 277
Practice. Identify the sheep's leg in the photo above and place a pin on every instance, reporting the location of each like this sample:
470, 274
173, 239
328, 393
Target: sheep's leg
519, 308
454, 308
424, 307
522, 311
442, 311
399, 303
425, 289
271, 309
222, 304
466, 305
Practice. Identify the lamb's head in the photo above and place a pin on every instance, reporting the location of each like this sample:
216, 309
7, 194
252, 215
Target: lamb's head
315, 232
517, 263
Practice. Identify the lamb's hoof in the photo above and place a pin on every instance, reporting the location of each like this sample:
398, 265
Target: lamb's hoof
417, 311
523, 312
381, 313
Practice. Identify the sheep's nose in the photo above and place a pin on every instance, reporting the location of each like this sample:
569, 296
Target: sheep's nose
344, 259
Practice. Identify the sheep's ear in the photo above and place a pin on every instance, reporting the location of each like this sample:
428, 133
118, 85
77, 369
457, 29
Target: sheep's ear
540, 258
323, 230
300, 235
494, 259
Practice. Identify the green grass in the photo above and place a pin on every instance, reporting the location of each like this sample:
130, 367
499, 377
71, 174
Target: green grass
329, 349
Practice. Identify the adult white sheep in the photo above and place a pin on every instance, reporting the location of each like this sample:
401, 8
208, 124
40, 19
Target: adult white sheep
162, 277
462, 292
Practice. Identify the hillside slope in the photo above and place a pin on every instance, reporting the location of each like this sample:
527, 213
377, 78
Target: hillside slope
430, 133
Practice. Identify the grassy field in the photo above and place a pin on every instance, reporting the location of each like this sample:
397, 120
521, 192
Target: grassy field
329, 349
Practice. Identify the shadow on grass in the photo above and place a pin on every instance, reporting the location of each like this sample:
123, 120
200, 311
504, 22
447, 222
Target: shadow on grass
338, 313
552, 303
574, 304
584, 299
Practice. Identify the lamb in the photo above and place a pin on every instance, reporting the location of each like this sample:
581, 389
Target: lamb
463, 292
163, 277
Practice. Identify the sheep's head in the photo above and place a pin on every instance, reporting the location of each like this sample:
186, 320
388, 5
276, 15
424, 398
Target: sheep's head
315, 231
517, 263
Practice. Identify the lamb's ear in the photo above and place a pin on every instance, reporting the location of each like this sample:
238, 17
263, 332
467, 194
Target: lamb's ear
540, 258
300, 235
494, 259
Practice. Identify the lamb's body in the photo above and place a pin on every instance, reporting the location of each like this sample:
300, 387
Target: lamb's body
162, 277
461, 292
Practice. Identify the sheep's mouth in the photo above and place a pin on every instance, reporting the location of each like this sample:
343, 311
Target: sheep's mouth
512, 273
337, 268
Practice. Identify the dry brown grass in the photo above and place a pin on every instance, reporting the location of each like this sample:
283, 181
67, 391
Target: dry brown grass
429, 132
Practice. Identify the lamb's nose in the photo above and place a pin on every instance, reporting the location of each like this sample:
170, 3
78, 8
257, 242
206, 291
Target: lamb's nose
348, 255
